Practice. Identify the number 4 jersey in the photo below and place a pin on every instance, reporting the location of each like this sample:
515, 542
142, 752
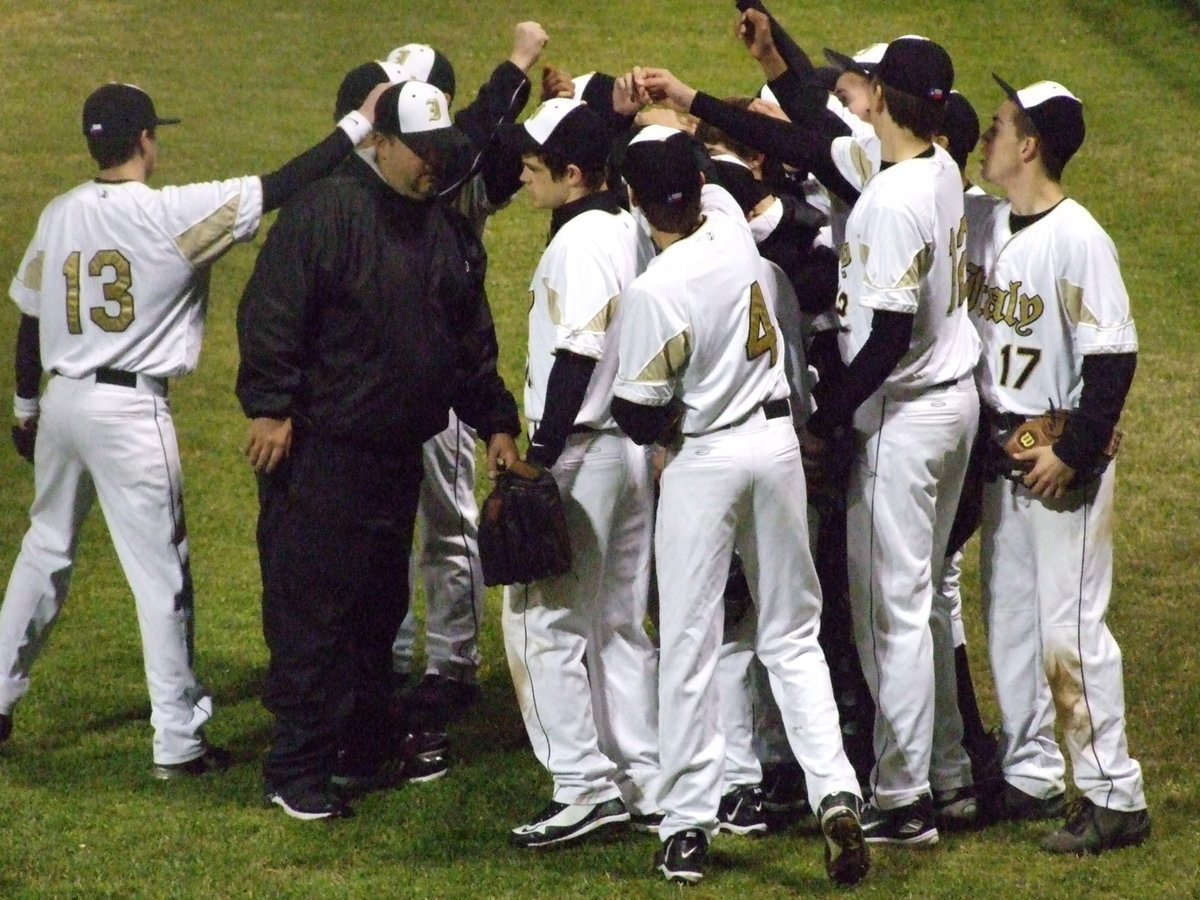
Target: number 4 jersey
1051, 294
700, 324
117, 273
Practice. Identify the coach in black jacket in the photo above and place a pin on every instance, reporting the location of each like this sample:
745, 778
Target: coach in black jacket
365, 320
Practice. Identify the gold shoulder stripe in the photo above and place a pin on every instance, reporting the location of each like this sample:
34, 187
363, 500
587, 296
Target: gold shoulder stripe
209, 238
1072, 296
861, 162
600, 322
552, 305
32, 277
668, 361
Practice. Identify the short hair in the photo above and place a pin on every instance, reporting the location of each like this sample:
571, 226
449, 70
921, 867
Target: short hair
1051, 164
710, 134
923, 117
672, 218
113, 150
593, 164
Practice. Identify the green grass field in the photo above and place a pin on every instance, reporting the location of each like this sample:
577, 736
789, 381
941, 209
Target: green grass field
254, 82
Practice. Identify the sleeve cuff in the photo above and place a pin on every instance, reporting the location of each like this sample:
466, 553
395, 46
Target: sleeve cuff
356, 126
25, 407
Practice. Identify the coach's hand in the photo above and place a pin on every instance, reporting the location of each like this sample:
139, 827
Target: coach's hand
502, 452
24, 437
268, 443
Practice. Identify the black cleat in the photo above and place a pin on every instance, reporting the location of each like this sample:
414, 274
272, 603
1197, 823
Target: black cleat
213, 759
683, 855
562, 823
847, 859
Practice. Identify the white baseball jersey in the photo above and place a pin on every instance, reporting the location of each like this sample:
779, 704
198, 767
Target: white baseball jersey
889, 262
574, 293
722, 360
135, 298
1052, 295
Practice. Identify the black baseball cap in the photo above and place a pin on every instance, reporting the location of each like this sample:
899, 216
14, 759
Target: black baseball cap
419, 115
918, 67
961, 127
1055, 112
359, 82
661, 166
119, 110
861, 63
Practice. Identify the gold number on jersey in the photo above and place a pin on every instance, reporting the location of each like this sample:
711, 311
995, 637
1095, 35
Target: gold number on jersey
762, 337
1033, 356
117, 312
959, 291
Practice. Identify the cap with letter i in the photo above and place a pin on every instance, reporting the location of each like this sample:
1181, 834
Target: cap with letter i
420, 62
417, 113
569, 128
116, 110
1055, 112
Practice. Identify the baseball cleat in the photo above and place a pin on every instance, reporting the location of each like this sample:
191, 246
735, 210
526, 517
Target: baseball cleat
956, 810
310, 806
387, 774
213, 759
562, 823
741, 812
847, 859
425, 755
1092, 829
645, 823
683, 855
1017, 806
910, 826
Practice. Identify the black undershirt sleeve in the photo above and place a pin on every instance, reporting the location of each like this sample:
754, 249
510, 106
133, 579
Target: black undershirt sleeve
891, 335
28, 363
793, 57
645, 424
316, 162
1107, 378
565, 390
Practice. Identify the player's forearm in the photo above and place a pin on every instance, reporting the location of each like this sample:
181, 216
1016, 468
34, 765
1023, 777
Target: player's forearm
566, 389
1107, 379
316, 162
891, 335
788, 50
782, 141
27, 362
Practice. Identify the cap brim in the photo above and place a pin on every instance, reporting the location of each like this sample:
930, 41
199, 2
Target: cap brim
846, 63
447, 144
1009, 90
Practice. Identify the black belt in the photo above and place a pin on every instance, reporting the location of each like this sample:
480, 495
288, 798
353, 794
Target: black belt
1004, 420
118, 377
776, 409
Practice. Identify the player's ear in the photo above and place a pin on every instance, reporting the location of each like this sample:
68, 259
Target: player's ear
573, 175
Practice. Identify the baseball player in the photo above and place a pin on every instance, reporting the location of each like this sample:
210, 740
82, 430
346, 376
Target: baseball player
447, 549
584, 669
1056, 325
701, 371
112, 292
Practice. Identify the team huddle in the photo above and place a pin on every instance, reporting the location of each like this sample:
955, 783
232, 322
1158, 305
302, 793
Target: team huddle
781, 359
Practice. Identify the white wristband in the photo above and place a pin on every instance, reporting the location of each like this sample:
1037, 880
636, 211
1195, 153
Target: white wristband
356, 126
25, 407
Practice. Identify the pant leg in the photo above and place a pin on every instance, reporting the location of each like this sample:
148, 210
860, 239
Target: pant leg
550, 626
1031, 759
449, 553
773, 542
700, 489
623, 662
736, 689
133, 456
1082, 659
41, 575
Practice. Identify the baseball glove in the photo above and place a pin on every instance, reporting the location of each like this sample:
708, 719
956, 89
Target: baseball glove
1043, 430
523, 529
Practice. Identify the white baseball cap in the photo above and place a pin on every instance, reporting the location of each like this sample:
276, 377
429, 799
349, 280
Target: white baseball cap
418, 114
420, 62
1055, 112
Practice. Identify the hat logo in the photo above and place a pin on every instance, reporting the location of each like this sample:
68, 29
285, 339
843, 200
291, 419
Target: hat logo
937, 94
